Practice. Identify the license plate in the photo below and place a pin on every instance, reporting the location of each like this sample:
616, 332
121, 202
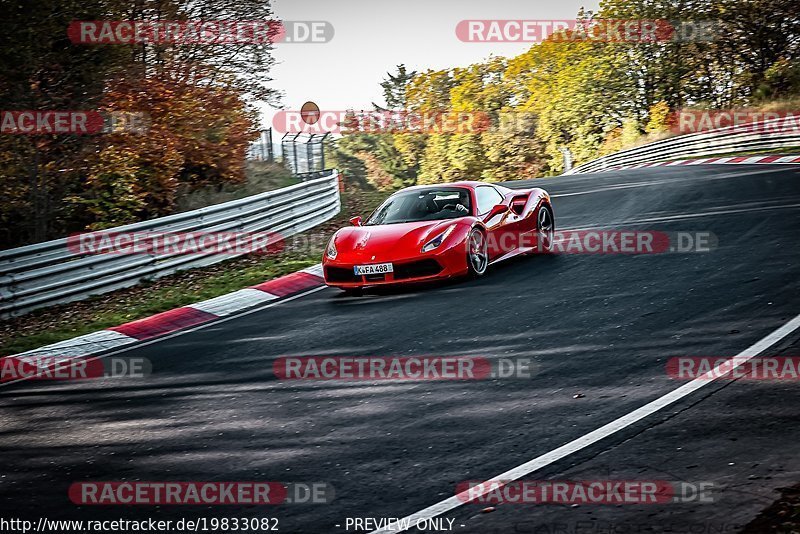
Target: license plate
377, 268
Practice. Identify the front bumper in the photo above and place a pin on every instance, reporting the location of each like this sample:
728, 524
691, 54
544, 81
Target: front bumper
426, 267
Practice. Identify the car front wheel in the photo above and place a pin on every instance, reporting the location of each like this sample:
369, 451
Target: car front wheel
477, 253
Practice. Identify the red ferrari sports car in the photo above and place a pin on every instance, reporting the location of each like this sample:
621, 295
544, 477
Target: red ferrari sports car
440, 231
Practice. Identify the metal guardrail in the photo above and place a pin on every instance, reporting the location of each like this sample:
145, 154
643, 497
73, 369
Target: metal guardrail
43, 274
774, 133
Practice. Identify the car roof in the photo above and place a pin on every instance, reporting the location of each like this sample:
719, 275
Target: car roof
470, 184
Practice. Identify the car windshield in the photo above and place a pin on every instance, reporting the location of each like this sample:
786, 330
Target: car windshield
422, 205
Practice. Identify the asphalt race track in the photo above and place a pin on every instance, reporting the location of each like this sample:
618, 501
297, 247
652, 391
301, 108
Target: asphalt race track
599, 327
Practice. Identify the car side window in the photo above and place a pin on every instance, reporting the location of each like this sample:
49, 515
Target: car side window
487, 196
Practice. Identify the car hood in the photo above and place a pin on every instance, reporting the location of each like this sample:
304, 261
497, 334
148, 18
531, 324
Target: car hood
387, 242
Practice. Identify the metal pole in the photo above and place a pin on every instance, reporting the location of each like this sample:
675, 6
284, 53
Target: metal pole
567, 157
322, 149
309, 153
294, 154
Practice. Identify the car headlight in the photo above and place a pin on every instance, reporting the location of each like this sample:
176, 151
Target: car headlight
331, 251
438, 240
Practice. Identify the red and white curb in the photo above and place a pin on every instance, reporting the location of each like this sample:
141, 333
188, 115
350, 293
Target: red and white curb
192, 315
704, 161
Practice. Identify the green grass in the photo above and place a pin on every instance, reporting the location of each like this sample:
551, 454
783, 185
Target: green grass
260, 177
154, 297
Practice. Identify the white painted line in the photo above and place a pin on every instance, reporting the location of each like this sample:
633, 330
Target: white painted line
707, 214
233, 302
316, 270
82, 345
668, 181
599, 434
612, 188
635, 222
64, 352
708, 161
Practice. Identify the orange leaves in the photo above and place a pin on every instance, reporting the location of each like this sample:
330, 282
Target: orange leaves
196, 136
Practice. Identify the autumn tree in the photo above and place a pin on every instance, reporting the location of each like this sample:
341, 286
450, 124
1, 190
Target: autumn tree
195, 95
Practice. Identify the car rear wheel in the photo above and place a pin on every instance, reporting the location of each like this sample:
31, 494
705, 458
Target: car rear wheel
545, 229
477, 253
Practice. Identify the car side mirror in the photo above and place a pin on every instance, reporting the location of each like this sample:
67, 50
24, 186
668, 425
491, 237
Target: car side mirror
355, 221
497, 209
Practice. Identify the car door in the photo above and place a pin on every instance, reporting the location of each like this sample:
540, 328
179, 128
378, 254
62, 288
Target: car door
486, 197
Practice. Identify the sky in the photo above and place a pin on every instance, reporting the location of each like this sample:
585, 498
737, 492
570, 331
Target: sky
373, 36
